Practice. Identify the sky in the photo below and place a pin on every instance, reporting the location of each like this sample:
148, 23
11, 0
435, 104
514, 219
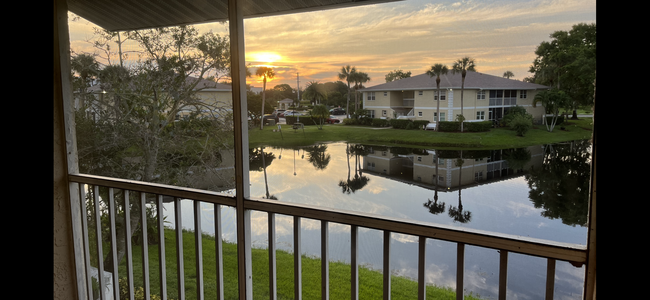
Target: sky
411, 35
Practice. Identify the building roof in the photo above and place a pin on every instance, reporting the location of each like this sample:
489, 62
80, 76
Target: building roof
473, 80
203, 85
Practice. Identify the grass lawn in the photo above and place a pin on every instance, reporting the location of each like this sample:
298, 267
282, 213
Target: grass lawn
370, 282
496, 138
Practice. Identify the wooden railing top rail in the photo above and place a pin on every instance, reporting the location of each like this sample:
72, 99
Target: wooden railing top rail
574, 253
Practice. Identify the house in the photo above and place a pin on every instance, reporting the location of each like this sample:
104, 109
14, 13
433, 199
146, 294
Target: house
485, 97
211, 98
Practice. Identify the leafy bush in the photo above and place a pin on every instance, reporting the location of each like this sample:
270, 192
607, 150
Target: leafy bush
513, 112
420, 123
307, 120
521, 124
478, 126
449, 126
399, 123
380, 123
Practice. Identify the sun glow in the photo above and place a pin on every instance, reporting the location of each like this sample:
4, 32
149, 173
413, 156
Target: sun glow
263, 57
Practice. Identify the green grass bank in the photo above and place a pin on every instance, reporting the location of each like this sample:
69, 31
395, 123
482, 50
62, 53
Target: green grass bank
370, 281
496, 138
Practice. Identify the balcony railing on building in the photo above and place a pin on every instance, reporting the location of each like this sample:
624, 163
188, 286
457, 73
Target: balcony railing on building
576, 254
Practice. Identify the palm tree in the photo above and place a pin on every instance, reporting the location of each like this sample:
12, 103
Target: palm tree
359, 78
347, 75
265, 73
315, 91
437, 70
462, 66
508, 74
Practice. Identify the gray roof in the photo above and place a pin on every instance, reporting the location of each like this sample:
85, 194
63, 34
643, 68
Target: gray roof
473, 80
203, 85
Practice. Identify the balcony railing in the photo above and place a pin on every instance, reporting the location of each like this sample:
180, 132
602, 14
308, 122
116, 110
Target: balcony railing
505, 244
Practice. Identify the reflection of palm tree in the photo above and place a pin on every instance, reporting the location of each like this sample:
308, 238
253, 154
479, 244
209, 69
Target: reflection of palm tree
359, 181
433, 206
318, 156
457, 213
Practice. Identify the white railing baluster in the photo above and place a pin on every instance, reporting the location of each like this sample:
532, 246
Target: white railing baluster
387, 281
161, 248
219, 250
460, 270
297, 260
354, 263
86, 243
550, 278
422, 286
180, 266
273, 279
503, 274
325, 266
129, 246
100, 252
111, 215
198, 249
145, 246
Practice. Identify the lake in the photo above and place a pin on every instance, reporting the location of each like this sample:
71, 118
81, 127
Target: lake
538, 192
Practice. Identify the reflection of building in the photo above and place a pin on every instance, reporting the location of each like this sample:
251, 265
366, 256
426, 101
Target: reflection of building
485, 97
420, 168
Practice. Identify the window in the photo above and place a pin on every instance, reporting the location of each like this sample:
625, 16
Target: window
522, 94
419, 93
371, 95
442, 116
371, 113
383, 113
385, 94
419, 158
442, 96
480, 115
419, 113
480, 95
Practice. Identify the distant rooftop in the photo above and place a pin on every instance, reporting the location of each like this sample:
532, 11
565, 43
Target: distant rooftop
473, 80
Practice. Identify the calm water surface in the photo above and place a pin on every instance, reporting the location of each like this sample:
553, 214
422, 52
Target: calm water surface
537, 192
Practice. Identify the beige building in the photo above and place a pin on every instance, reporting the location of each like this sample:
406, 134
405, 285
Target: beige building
485, 97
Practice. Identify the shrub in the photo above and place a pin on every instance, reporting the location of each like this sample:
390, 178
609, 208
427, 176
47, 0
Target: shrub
478, 126
420, 123
449, 126
521, 124
513, 112
399, 123
380, 123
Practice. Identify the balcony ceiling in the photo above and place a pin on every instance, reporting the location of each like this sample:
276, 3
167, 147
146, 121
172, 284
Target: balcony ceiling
142, 14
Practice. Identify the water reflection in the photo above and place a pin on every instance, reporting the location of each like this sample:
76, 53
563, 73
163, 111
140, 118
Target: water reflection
386, 180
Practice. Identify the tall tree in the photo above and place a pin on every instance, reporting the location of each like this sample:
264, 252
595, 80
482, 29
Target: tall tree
133, 133
462, 66
347, 75
265, 73
437, 70
568, 62
508, 74
397, 75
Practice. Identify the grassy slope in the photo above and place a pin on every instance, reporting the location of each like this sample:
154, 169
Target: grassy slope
370, 281
494, 139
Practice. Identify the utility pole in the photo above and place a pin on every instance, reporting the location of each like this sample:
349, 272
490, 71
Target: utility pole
298, 87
